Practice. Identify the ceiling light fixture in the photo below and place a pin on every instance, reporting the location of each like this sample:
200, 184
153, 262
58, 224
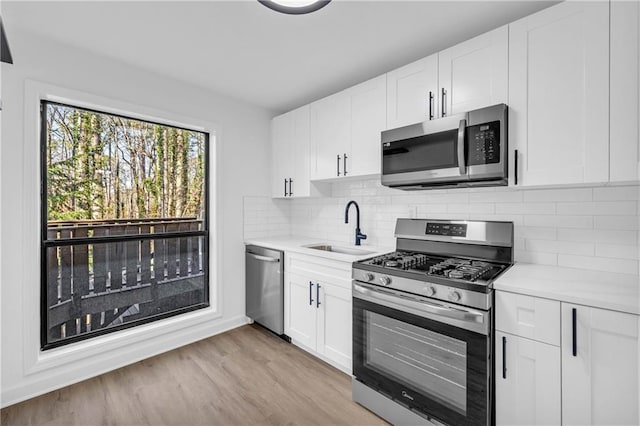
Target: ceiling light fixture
295, 7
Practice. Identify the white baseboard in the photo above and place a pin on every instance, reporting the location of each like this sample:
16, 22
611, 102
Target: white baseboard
61, 377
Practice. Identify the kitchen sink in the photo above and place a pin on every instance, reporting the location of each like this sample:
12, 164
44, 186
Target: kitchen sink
341, 250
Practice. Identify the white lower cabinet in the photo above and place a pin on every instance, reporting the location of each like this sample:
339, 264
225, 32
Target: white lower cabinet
318, 308
527, 381
589, 377
600, 377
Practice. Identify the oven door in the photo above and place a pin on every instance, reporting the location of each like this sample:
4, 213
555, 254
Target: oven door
420, 353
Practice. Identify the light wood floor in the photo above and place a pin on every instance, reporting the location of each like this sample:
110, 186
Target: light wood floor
246, 376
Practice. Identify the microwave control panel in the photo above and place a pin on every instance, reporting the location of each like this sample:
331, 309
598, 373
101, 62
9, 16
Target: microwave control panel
483, 143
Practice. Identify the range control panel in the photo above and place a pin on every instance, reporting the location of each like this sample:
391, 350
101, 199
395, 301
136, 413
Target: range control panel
484, 143
447, 229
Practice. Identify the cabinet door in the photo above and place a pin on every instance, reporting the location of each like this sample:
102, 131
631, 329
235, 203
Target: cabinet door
368, 120
625, 86
527, 381
559, 94
300, 185
412, 93
330, 135
282, 135
474, 73
300, 313
599, 382
334, 324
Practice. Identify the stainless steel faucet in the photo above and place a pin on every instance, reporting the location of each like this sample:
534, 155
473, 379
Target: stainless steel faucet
359, 235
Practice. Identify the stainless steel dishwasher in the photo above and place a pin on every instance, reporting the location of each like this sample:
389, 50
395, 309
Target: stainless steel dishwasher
265, 287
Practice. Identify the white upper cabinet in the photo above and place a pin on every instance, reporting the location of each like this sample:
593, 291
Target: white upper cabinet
282, 139
291, 155
412, 93
559, 94
600, 357
345, 131
474, 74
330, 135
368, 120
625, 86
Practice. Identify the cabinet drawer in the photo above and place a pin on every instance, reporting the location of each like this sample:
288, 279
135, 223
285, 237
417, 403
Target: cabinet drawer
320, 268
528, 316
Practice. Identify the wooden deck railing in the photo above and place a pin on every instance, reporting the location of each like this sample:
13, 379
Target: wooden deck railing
95, 285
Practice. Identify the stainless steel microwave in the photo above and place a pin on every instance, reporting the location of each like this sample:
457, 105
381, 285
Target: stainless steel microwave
462, 150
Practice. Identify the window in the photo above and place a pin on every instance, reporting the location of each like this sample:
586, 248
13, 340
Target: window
124, 222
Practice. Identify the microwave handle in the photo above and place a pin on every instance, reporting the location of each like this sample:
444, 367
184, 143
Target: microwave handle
461, 133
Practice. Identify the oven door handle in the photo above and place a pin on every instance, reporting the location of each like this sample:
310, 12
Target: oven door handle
396, 300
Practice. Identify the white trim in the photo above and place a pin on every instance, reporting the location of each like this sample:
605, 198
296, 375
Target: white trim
106, 350
31, 388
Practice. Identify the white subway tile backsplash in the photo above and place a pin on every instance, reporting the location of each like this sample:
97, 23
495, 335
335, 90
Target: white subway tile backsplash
598, 208
595, 228
617, 251
496, 197
571, 194
566, 247
623, 266
559, 221
598, 236
526, 208
538, 233
540, 258
627, 223
616, 193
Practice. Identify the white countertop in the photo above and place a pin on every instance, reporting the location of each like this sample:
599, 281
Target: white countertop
608, 290
299, 245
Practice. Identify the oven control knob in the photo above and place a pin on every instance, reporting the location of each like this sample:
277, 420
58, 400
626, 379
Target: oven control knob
454, 296
385, 280
368, 276
430, 291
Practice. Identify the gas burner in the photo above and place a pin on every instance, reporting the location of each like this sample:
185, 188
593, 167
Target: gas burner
461, 269
391, 263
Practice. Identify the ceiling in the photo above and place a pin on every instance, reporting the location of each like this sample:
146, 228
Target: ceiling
247, 51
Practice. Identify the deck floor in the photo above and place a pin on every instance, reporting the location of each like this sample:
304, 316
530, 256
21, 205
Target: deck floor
245, 376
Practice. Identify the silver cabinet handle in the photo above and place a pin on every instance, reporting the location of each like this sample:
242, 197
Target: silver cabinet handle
310, 293
461, 161
431, 105
444, 102
263, 258
338, 164
318, 295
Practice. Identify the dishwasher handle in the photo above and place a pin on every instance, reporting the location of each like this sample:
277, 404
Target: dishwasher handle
263, 258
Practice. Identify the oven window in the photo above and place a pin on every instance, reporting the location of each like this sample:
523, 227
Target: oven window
429, 152
430, 362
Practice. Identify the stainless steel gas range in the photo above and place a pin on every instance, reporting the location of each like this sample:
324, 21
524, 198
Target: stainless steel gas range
422, 322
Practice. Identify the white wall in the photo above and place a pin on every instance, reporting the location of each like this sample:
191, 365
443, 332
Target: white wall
242, 136
590, 228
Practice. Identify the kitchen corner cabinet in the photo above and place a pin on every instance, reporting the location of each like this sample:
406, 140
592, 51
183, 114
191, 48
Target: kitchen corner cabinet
290, 155
318, 307
559, 95
625, 91
345, 131
600, 360
474, 73
560, 363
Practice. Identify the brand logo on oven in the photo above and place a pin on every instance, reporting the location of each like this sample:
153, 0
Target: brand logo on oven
406, 395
